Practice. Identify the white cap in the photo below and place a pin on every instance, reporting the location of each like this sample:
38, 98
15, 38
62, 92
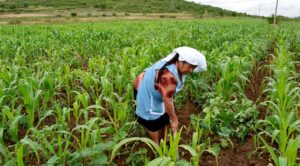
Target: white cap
191, 56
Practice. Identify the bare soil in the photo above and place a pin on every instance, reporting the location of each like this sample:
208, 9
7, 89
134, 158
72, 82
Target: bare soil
58, 16
254, 90
13, 15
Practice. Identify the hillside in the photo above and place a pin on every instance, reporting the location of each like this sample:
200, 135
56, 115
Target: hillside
131, 6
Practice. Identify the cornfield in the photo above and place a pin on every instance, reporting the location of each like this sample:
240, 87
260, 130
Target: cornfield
66, 93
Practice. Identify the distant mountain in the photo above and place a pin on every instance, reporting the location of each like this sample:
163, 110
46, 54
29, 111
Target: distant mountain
136, 6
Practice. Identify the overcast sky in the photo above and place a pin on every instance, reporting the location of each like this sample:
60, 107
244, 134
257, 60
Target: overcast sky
290, 8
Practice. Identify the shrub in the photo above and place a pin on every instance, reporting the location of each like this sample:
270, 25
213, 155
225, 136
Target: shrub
102, 6
25, 5
271, 19
73, 14
12, 7
15, 22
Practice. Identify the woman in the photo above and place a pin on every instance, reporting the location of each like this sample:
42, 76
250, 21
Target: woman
155, 87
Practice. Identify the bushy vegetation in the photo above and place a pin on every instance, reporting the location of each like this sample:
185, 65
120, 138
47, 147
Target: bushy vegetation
148, 6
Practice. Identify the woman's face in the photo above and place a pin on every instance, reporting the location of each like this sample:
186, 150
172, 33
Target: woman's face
185, 68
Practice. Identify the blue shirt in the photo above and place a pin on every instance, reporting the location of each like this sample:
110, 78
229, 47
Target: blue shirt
150, 105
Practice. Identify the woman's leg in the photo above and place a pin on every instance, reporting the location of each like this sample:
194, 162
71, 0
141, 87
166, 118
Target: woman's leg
154, 136
164, 132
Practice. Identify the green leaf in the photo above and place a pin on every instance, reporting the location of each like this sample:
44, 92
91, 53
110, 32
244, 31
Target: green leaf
214, 150
225, 132
192, 151
99, 159
282, 161
1, 135
53, 160
107, 130
271, 151
291, 150
46, 114
13, 127
104, 146
42, 138
5, 153
160, 161
148, 141
183, 163
20, 155
274, 134
34, 146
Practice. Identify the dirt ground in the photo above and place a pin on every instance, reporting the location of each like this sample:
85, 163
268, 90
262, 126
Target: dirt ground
58, 16
13, 15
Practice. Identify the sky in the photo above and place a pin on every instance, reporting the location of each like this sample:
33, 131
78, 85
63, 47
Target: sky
289, 8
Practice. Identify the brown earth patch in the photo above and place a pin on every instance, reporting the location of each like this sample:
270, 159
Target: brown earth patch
240, 155
254, 90
184, 120
13, 15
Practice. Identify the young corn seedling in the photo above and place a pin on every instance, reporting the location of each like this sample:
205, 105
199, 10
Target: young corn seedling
11, 118
106, 86
62, 143
63, 115
200, 143
234, 77
31, 99
196, 149
120, 108
89, 81
41, 137
48, 85
66, 77
35, 147
81, 103
88, 136
167, 154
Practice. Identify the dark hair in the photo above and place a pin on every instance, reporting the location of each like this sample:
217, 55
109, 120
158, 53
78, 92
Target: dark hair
161, 70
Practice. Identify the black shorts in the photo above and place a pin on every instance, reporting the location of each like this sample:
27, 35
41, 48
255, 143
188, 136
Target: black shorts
154, 125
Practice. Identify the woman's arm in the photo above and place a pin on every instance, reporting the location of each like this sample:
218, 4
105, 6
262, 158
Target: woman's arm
167, 87
138, 80
171, 112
